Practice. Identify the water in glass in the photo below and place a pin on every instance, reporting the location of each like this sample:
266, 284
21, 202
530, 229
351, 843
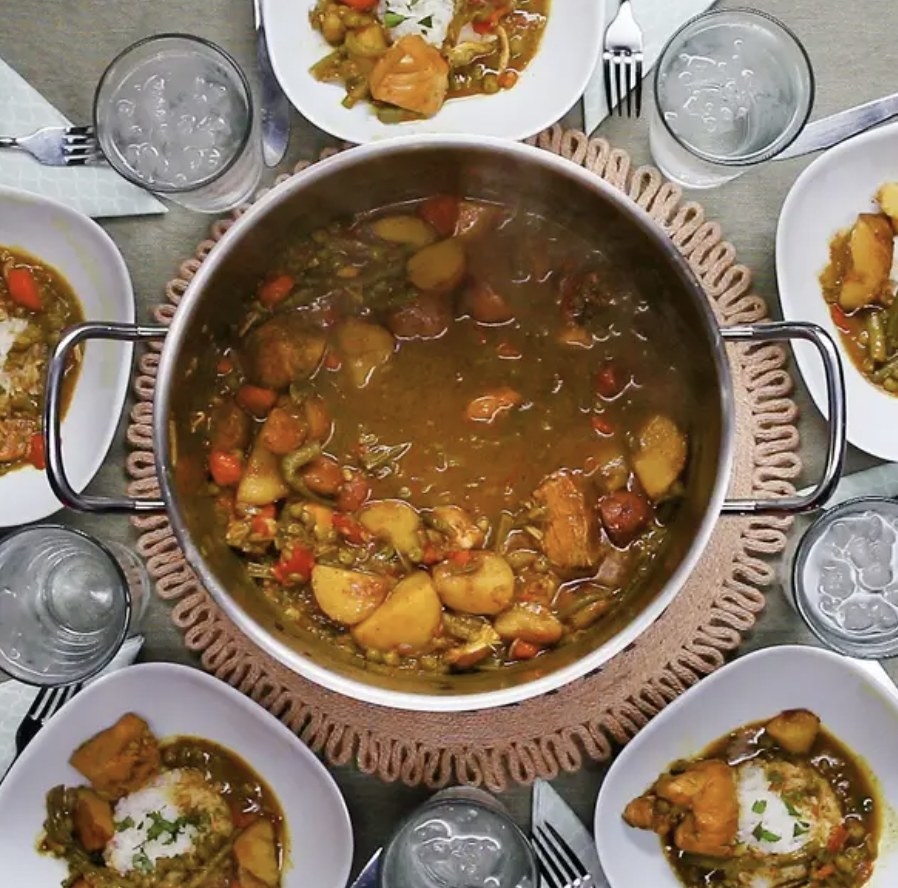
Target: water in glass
174, 115
846, 577
732, 89
456, 843
64, 606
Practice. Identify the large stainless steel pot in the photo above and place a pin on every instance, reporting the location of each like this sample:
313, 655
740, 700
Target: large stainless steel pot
385, 173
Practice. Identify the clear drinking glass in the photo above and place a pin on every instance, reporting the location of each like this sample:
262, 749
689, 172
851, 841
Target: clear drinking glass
174, 114
65, 605
733, 88
845, 577
460, 838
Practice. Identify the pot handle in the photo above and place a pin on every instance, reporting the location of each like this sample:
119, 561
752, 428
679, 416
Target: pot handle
56, 473
835, 399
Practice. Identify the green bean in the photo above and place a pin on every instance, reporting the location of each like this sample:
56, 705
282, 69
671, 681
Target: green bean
892, 325
391, 115
294, 461
503, 529
876, 337
890, 368
357, 91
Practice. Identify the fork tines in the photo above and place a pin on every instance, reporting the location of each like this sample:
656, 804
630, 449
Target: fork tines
623, 80
79, 145
559, 865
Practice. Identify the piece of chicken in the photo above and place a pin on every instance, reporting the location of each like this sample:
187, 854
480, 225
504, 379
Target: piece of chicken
707, 790
412, 75
570, 526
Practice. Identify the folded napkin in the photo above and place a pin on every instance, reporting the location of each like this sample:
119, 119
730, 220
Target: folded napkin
94, 190
659, 19
15, 698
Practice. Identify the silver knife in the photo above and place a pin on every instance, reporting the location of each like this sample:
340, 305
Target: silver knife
829, 131
549, 807
275, 109
367, 878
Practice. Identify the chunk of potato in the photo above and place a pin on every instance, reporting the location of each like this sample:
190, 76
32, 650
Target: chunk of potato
483, 583
394, 521
608, 466
92, 820
408, 619
529, 621
347, 596
870, 248
410, 230
438, 268
262, 482
795, 730
365, 346
887, 198
255, 851
660, 457
369, 42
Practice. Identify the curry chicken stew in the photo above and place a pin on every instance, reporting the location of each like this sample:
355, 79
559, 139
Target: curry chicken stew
776, 804
182, 812
36, 305
449, 436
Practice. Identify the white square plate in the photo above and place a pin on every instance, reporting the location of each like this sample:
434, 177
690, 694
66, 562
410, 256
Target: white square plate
178, 700
854, 703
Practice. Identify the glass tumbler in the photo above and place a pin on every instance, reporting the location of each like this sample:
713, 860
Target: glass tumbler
733, 88
65, 605
460, 838
174, 114
845, 577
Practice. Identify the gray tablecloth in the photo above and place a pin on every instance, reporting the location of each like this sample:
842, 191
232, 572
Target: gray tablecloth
62, 46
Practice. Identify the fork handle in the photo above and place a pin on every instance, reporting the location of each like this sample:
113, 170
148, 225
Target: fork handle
8, 142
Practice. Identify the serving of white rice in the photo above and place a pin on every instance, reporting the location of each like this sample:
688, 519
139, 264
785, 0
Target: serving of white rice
429, 19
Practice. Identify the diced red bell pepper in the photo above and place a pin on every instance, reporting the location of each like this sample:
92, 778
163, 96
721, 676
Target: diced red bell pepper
295, 565
349, 528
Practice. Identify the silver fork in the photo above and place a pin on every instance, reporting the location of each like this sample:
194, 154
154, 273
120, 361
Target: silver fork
58, 145
622, 61
559, 865
44, 706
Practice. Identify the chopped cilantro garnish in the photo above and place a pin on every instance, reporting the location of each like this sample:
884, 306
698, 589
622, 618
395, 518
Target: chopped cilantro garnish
762, 835
122, 825
141, 862
161, 827
800, 829
393, 19
426, 22
759, 807
790, 807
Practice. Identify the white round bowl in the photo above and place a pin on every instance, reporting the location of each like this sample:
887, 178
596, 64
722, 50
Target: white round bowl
855, 700
826, 198
86, 256
550, 85
178, 700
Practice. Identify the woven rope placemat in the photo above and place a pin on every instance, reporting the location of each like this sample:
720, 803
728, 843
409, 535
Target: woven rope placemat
558, 731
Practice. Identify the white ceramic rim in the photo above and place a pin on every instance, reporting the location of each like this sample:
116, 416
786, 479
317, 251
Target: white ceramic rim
872, 678
171, 674
42, 502
418, 702
801, 296
512, 114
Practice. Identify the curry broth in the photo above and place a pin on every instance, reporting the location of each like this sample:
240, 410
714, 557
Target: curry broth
592, 358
